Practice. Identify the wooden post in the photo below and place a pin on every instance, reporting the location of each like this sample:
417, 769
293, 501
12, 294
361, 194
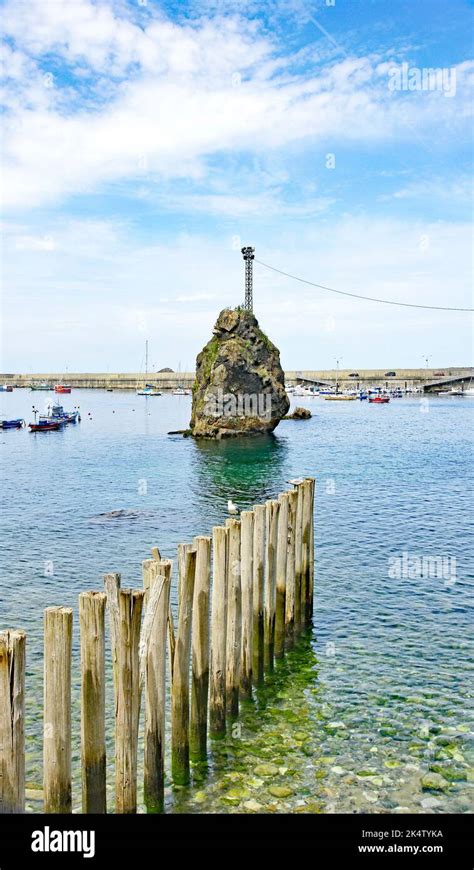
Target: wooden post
234, 619
12, 721
155, 688
299, 616
311, 547
306, 543
125, 611
246, 578
180, 686
271, 536
57, 709
93, 757
290, 571
200, 649
147, 572
182, 550
217, 703
165, 569
281, 560
258, 587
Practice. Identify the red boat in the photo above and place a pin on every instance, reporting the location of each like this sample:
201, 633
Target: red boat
379, 400
46, 427
62, 388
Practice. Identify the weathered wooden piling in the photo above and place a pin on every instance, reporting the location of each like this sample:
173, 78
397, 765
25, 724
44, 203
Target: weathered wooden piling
93, 755
280, 571
290, 571
154, 641
299, 615
125, 611
258, 592
217, 701
271, 538
305, 562
200, 649
57, 710
246, 580
180, 685
12, 721
166, 570
311, 546
234, 619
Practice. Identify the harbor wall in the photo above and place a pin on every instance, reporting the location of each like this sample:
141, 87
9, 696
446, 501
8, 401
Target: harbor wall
427, 378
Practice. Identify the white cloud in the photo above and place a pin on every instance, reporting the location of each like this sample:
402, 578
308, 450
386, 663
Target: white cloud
174, 100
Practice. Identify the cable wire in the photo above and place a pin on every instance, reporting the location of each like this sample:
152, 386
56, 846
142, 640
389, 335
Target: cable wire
358, 296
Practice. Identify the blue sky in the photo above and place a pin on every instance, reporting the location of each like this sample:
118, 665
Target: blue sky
146, 142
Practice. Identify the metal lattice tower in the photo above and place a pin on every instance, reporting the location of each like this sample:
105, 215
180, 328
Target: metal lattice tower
249, 256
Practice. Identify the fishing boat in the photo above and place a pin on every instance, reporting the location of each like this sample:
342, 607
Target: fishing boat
46, 426
43, 386
56, 412
7, 388
62, 388
12, 424
379, 400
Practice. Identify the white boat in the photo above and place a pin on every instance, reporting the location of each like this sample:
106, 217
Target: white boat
180, 391
304, 391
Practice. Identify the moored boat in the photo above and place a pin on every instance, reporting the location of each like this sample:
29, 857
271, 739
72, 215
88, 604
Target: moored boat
46, 426
148, 390
305, 392
43, 386
6, 388
62, 388
56, 412
379, 400
12, 424
339, 398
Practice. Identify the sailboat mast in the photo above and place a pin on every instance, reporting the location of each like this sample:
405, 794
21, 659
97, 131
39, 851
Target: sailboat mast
146, 357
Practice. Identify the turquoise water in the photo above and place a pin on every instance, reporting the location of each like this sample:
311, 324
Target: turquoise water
376, 696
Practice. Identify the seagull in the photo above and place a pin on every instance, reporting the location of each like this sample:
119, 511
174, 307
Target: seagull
231, 507
296, 481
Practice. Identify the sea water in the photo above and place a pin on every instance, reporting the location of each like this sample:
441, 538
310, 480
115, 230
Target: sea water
376, 696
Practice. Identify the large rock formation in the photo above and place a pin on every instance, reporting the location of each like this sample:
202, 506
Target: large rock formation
240, 385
